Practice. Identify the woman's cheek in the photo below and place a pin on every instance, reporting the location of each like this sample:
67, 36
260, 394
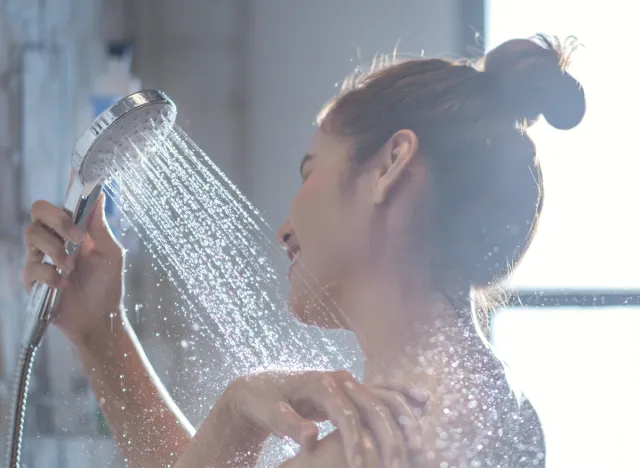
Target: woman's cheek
315, 219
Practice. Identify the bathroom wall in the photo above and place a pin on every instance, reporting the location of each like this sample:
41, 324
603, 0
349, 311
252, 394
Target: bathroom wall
50, 52
299, 52
195, 52
249, 75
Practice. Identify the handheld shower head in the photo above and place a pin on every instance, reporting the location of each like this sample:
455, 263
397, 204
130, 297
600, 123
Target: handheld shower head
121, 134
119, 137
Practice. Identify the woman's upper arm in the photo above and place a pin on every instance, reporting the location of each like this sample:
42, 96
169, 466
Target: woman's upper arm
331, 452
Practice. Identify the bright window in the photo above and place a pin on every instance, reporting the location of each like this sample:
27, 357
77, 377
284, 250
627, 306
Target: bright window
580, 366
590, 227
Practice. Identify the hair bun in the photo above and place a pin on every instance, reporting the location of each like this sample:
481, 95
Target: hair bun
529, 75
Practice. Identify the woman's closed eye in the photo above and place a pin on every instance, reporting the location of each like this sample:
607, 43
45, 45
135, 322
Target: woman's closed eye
305, 166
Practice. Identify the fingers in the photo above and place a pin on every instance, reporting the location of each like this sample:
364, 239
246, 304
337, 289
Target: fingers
325, 390
382, 423
349, 405
57, 220
398, 405
419, 395
284, 405
40, 240
45, 235
402, 413
400, 397
344, 415
42, 273
288, 423
98, 227
262, 407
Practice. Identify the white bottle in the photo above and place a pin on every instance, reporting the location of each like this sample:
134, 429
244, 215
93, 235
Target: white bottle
115, 83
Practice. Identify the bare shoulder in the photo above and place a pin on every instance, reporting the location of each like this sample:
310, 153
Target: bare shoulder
330, 452
487, 426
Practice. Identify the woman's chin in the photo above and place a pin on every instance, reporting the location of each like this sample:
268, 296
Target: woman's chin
318, 312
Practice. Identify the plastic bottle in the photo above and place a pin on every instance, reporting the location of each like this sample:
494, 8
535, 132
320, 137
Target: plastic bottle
115, 83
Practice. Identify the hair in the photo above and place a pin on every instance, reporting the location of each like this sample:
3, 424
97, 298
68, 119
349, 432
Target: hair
485, 187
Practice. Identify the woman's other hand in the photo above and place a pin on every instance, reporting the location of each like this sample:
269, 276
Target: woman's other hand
288, 405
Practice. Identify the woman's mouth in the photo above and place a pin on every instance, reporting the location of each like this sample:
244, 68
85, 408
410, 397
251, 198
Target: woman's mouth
294, 259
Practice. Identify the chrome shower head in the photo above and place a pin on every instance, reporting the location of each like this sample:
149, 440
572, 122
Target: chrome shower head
121, 134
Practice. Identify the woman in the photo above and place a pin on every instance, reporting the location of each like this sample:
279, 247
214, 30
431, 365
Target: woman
420, 186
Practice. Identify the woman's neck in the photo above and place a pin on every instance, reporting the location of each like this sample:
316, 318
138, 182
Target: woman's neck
403, 323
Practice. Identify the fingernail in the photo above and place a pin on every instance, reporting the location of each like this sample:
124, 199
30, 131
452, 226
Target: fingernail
395, 463
348, 385
408, 422
64, 282
70, 264
419, 394
357, 460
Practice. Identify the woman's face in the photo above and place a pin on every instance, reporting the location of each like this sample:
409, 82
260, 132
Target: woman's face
327, 233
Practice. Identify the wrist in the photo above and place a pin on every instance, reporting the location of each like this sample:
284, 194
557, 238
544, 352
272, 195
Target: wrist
227, 413
102, 336
224, 438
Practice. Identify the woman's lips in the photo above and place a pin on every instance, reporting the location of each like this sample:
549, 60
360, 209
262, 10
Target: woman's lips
294, 260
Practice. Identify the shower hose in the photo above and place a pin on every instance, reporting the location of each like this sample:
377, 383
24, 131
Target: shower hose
36, 329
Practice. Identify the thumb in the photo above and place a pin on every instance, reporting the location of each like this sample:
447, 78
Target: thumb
97, 225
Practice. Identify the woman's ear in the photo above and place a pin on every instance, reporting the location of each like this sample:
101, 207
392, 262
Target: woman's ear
399, 151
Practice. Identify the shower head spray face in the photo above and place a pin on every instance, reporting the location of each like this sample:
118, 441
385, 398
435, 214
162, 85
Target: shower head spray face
121, 134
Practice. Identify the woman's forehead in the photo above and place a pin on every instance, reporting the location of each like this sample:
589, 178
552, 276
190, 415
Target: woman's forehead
324, 143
